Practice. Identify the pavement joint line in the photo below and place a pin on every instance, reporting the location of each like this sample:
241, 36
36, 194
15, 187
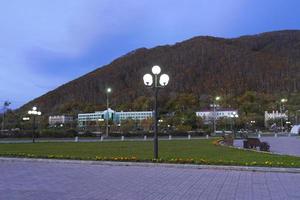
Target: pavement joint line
145, 164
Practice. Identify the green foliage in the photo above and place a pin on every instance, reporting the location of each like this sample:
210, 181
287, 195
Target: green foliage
127, 125
179, 109
182, 102
57, 133
253, 102
183, 128
142, 103
73, 108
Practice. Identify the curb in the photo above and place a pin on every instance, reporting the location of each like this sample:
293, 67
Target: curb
144, 164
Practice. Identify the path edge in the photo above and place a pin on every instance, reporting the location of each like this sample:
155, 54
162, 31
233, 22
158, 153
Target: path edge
145, 164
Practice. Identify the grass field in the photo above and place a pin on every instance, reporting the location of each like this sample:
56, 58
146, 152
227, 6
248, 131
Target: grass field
176, 151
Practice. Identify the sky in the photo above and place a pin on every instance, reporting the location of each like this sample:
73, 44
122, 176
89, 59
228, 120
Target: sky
46, 43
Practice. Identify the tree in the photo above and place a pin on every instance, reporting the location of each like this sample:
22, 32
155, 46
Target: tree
142, 103
147, 124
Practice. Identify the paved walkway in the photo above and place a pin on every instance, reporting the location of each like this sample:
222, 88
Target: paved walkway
43, 181
282, 145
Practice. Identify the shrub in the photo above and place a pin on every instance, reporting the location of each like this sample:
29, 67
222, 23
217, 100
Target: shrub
72, 132
55, 133
264, 146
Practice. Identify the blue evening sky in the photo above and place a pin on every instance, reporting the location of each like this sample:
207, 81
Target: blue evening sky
45, 43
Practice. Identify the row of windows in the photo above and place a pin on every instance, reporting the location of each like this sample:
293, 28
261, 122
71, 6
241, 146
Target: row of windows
218, 113
135, 117
89, 115
134, 114
120, 114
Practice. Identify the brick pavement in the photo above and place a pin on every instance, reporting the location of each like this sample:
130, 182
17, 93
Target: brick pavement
43, 181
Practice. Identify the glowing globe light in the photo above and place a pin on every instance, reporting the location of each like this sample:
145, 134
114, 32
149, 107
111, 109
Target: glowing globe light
156, 70
148, 79
164, 80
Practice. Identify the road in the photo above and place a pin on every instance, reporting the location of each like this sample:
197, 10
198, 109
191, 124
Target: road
42, 181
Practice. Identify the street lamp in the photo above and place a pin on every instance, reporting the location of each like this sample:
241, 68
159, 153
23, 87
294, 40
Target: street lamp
252, 123
159, 82
233, 116
282, 101
100, 123
34, 112
108, 91
217, 98
25, 119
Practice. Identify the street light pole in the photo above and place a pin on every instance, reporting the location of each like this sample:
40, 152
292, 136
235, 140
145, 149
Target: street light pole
233, 116
156, 124
33, 129
282, 101
159, 82
24, 120
34, 113
214, 105
108, 90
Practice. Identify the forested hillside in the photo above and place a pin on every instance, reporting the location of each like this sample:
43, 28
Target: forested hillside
267, 64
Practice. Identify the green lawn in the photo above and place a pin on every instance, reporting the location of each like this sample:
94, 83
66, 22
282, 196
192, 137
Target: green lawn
176, 151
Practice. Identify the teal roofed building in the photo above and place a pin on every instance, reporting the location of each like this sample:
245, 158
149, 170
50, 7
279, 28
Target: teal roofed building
116, 117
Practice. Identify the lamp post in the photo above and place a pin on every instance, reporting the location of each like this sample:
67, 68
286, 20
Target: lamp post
233, 117
282, 101
159, 82
252, 122
100, 121
217, 98
288, 124
108, 91
25, 119
34, 112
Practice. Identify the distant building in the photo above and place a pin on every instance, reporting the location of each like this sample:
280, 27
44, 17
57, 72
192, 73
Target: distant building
136, 115
60, 119
110, 114
208, 115
274, 115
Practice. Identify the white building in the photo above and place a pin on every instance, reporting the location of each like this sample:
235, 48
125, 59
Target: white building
136, 115
219, 113
274, 115
113, 115
89, 117
60, 119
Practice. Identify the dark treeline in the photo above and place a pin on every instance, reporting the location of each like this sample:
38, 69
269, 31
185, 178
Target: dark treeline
177, 112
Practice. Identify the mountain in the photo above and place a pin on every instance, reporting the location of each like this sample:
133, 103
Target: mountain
267, 63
